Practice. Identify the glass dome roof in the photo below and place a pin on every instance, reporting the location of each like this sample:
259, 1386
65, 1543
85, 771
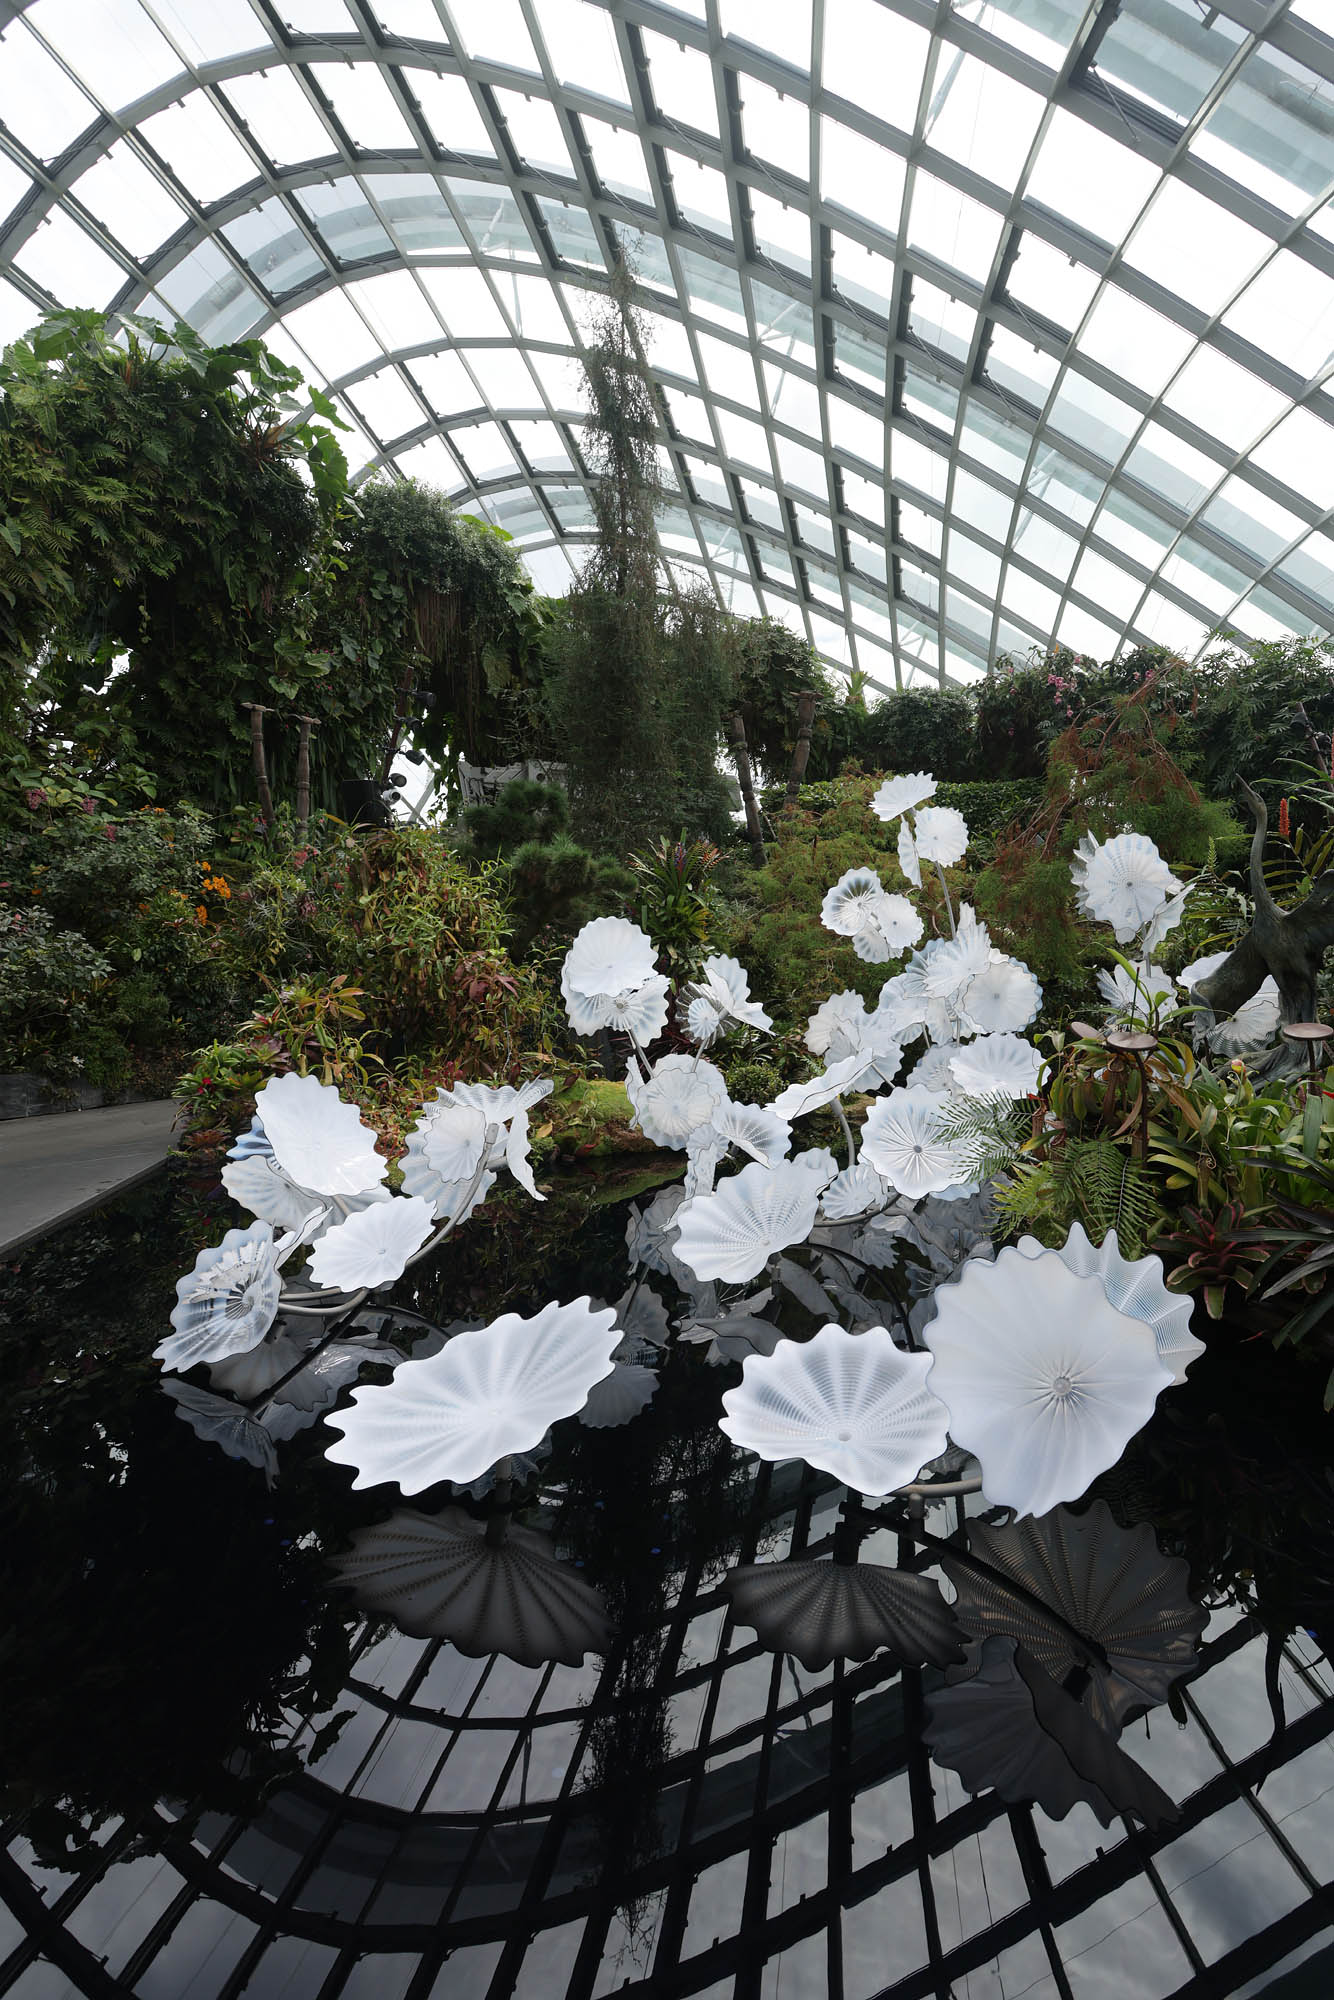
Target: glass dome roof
976, 326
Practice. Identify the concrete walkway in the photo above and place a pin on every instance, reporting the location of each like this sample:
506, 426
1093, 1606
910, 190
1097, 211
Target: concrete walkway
53, 1169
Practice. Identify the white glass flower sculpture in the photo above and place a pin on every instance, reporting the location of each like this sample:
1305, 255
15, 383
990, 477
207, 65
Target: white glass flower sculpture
609, 955
997, 1066
1123, 881
719, 999
1255, 1022
902, 1139
909, 1010
1003, 999
640, 1012
317, 1140
902, 794
1044, 1378
229, 1301
485, 1395
854, 1192
941, 834
608, 980
1134, 1286
446, 1145
843, 1026
372, 1248
908, 858
890, 926
817, 1091
951, 964
217, 1420
680, 1094
1164, 921
733, 1232
253, 1177
1136, 993
851, 902
850, 1404
755, 1129
935, 1070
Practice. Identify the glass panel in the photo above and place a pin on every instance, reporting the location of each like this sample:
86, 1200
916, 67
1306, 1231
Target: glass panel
398, 312
1019, 369
363, 105
581, 42
1194, 247
618, 158
682, 84
281, 117
387, 404
276, 250
1083, 174
1248, 517
416, 212
1050, 283
113, 48
345, 219
860, 176
535, 131
952, 228
197, 144
863, 40
128, 200
1133, 341
782, 231
1166, 465
495, 29
451, 112
982, 118
781, 31
1300, 452
1273, 129
1102, 423
701, 194
1162, 52
207, 29
775, 127
40, 104
1218, 396
1288, 311
862, 275
65, 260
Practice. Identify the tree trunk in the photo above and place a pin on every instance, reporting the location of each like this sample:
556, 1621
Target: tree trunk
802, 748
736, 734
304, 723
257, 715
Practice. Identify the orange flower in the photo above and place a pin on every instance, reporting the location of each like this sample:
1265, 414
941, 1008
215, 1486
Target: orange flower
201, 913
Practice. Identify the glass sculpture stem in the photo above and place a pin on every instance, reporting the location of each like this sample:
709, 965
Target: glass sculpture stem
640, 1057
945, 890
847, 1133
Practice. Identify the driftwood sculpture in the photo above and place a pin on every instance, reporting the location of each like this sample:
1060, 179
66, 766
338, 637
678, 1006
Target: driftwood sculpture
1289, 945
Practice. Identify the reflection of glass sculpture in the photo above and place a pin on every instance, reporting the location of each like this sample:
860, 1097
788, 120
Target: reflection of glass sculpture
487, 1587
1010, 1727
1113, 1586
483, 1396
826, 1611
850, 1404
1042, 1376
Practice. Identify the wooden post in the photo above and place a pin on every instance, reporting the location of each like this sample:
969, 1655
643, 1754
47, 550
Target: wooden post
257, 715
305, 723
802, 748
736, 734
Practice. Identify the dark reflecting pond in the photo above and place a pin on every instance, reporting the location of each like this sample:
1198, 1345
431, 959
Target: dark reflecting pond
221, 1778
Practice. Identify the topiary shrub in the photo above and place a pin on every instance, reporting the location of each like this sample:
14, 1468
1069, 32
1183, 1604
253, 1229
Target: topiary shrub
552, 884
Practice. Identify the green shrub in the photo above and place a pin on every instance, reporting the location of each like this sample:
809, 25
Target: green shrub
920, 729
551, 883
